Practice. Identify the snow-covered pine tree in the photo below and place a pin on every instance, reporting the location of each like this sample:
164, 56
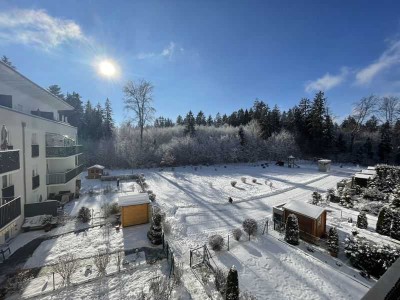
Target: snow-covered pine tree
232, 285
362, 221
384, 221
316, 198
333, 242
155, 232
395, 229
292, 230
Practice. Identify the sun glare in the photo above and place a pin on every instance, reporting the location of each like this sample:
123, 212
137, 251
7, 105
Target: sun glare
107, 68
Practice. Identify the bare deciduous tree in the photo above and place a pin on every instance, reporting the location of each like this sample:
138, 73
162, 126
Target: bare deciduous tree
362, 109
101, 261
389, 108
139, 98
66, 266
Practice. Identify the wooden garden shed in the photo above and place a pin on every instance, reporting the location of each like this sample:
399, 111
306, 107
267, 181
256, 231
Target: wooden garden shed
312, 218
135, 209
95, 172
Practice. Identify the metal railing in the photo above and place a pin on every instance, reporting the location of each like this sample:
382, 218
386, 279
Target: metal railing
9, 210
9, 161
63, 177
57, 151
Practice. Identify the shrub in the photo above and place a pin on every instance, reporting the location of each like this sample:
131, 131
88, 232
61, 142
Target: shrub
362, 221
237, 234
374, 195
292, 230
384, 221
316, 198
254, 180
233, 183
333, 241
243, 179
220, 280
331, 196
395, 229
250, 227
216, 242
246, 296
101, 261
152, 197
155, 232
66, 266
84, 214
232, 285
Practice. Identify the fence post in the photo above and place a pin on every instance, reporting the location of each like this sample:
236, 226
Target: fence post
190, 258
54, 284
228, 241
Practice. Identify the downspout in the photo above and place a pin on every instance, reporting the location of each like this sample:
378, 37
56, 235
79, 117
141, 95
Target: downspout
23, 159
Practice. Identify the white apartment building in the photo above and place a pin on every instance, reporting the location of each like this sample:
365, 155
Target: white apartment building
38, 150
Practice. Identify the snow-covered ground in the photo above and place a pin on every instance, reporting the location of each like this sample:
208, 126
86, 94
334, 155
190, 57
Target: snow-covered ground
195, 200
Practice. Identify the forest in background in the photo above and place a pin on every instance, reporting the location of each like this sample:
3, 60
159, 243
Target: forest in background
370, 134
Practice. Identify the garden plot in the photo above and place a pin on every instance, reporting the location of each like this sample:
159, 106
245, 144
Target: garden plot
87, 243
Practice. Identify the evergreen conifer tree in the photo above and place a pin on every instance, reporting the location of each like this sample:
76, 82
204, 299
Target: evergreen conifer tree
362, 221
384, 221
155, 232
292, 230
333, 241
232, 285
190, 124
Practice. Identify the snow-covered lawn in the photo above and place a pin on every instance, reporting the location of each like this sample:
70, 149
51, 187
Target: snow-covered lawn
87, 243
195, 200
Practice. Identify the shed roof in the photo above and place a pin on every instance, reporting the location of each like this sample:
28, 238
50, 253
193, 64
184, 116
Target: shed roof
133, 199
96, 167
324, 161
371, 168
303, 208
369, 172
363, 176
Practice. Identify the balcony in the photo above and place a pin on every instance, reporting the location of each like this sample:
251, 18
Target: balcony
35, 150
9, 161
63, 177
61, 152
35, 182
8, 192
9, 210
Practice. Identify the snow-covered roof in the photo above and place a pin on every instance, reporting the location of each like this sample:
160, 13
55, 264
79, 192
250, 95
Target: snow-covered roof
96, 167
369, 172
363, 176
303, 208
371, 168
324, 161
133, 199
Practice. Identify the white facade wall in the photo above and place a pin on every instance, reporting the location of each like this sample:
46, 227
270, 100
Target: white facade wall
25, 129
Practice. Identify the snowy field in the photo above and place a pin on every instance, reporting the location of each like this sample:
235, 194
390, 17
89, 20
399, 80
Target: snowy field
195, 200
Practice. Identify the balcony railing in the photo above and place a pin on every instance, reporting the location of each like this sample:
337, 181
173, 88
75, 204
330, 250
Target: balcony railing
9, 161
54, 152
64, 177
35, 150
35, 182
9, 210
8, 192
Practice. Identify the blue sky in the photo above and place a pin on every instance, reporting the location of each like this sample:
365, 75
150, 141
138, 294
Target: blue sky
215, 56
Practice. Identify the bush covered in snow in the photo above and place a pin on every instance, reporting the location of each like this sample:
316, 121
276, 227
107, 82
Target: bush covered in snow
216, 242
374, 195
292, 230
237, 234
250, 227
233, 183
232, 284
316, 198
395, 229
373, 259
84, 214
220, 280
243, 179
333, 241
331, 196
155, 232
384, 221
254, 180
362, 221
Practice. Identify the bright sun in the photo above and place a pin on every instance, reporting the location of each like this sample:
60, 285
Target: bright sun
107, 68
